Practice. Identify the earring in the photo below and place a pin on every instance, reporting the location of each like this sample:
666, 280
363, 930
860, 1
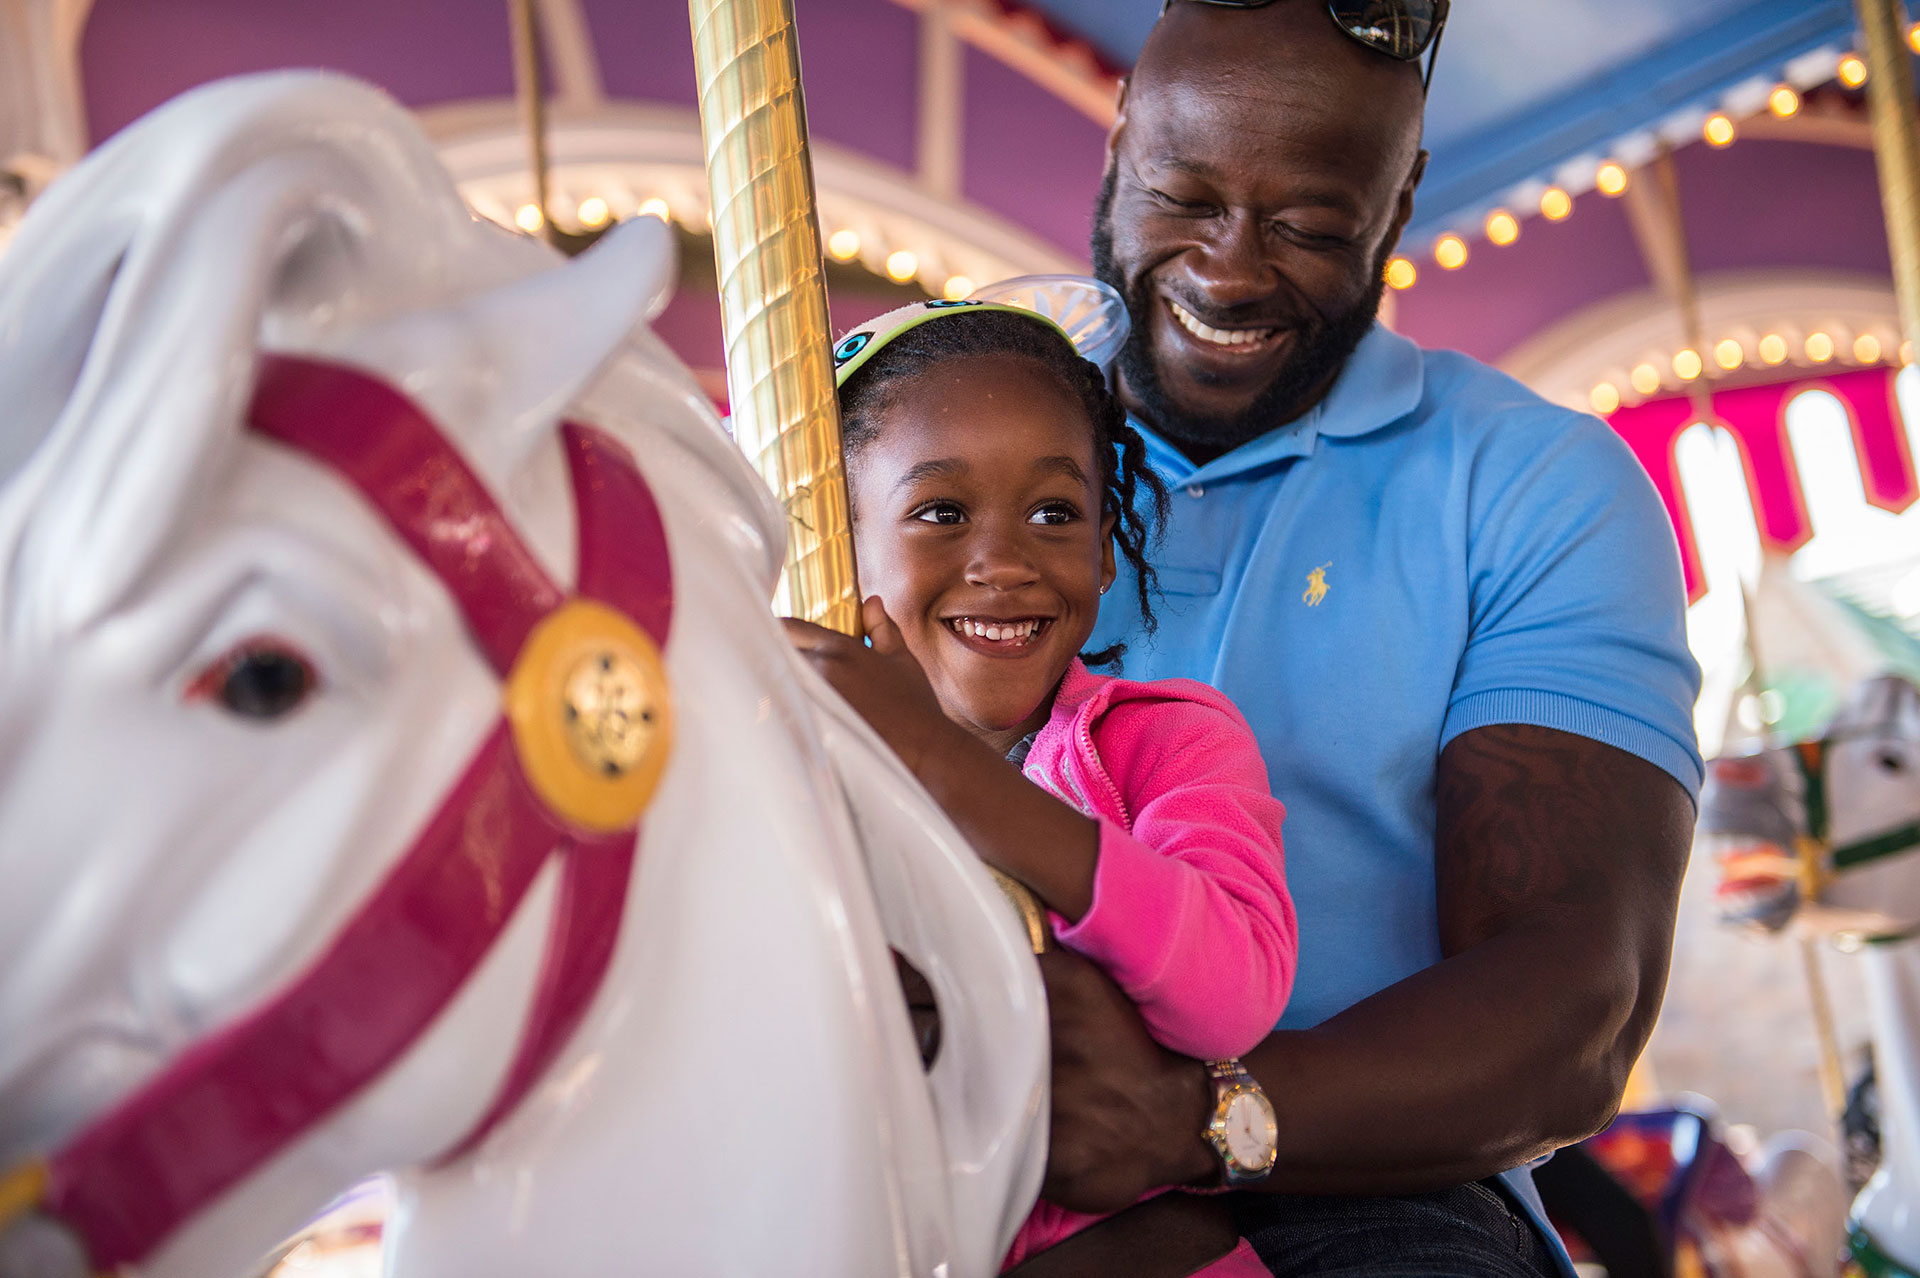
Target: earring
1103, 589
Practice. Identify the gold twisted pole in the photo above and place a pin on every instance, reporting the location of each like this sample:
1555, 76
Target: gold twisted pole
773, 295
773, 307
1896, 147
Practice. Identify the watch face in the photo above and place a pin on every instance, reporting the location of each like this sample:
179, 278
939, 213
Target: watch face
1251, 1134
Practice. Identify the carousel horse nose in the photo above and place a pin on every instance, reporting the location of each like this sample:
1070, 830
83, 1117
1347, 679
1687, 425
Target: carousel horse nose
923, 1009
1746, 827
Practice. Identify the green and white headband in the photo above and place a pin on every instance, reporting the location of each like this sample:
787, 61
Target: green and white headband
1088, 313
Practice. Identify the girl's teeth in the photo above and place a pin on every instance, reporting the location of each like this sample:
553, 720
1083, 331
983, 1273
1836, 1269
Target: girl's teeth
1218, 336
996, 632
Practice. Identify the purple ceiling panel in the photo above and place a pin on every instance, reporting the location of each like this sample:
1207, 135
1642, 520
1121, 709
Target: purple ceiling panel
1030, 157
136, 54
1783, 204
1504, 296
645, 48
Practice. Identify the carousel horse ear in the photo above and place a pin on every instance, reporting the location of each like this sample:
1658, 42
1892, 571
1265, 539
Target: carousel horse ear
525, 350
46, 332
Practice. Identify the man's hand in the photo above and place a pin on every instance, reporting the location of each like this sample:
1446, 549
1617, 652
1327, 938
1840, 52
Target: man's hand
883, 682
1127, 1113
1558, 872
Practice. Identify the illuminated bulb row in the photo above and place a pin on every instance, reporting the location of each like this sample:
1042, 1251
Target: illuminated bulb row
901, 265
592, 213
1611, 178
1729, 354
1450, 251
843, 245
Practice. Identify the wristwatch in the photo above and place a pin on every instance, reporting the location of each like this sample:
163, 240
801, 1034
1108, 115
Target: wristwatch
1243, 1129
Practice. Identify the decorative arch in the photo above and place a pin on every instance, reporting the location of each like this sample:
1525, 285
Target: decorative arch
1606, 342
629, 154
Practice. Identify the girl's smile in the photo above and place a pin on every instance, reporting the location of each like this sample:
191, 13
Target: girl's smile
998, 636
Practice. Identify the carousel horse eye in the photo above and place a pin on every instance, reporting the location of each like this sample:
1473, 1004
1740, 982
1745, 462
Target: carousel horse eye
259, 679
1891, 762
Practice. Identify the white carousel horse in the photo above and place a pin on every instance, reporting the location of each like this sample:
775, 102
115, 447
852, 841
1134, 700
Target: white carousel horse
1826, 835
367, 576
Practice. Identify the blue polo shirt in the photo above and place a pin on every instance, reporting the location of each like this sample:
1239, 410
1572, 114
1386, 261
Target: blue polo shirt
1433, 548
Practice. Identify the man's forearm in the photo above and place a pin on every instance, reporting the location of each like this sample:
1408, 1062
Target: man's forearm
1558, 872
1470, 1067
1558, 866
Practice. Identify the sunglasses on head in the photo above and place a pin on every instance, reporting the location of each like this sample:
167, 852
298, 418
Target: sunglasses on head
1404, 30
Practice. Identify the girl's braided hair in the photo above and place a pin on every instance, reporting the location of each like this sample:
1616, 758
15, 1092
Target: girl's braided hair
1118, 449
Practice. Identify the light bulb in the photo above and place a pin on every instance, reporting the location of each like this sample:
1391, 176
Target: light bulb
844, 244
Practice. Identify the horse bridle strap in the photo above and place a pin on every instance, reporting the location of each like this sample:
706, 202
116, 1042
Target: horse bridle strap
1812, 757
563, 776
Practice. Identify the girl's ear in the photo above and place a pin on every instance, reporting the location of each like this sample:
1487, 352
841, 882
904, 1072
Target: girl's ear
1108, 568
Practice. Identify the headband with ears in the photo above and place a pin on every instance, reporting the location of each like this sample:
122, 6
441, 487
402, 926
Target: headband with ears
1088, 313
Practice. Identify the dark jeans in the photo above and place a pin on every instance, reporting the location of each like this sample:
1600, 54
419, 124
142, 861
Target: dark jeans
1469, 1232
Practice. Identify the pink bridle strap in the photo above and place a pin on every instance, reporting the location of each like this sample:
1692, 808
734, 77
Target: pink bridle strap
237, 1098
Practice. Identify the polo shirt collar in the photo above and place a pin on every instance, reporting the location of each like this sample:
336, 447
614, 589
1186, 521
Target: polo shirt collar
1382, 382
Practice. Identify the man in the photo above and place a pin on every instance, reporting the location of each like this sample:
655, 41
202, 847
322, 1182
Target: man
1452, 614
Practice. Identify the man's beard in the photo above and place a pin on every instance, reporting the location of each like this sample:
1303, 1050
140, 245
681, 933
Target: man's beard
1321, 349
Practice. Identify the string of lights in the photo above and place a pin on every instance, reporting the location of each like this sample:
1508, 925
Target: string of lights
1611, 177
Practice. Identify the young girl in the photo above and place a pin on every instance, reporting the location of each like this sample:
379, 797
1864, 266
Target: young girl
992, 476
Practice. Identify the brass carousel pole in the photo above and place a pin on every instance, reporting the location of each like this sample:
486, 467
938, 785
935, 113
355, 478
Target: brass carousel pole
773, 306
1896, 147
773, 295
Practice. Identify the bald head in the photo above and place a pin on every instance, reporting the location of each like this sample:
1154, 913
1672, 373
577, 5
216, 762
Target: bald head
1262, 168
1287, 53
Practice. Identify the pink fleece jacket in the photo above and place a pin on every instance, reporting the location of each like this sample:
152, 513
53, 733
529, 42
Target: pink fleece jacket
1190, 912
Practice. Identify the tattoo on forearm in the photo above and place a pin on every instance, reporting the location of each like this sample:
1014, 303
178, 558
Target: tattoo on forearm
1534, 822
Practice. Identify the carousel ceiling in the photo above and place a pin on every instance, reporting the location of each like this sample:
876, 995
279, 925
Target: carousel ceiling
1536, 92
978, 153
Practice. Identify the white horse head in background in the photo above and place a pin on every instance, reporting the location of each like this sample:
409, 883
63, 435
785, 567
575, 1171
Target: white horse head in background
1825, 833
252, 675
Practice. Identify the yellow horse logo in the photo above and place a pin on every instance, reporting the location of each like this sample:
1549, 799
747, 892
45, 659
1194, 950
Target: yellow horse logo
1316, 590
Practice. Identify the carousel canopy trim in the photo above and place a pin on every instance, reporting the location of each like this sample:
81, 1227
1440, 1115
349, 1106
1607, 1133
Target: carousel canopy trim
1662, 93
1529, 92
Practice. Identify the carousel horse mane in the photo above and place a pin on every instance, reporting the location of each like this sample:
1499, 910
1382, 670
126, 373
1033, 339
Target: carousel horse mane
302, 213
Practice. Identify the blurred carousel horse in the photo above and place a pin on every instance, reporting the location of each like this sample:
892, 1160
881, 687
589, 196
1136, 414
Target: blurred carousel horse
401, 770
1825, 835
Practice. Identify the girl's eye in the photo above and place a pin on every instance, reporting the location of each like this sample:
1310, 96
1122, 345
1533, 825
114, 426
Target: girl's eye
261, 679
939, 512
1054, 513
